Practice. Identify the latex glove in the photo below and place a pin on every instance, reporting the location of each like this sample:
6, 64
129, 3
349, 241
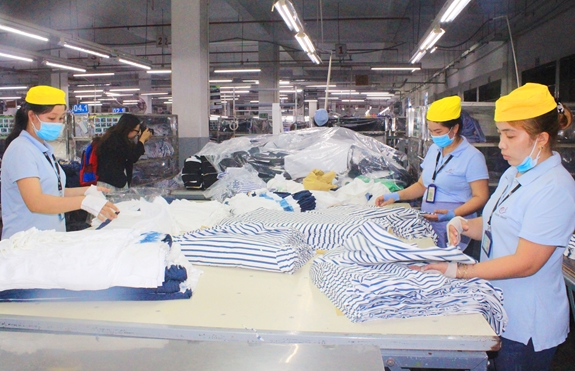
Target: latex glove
456, 223
93, 204
381, 200
446, 217
451, 270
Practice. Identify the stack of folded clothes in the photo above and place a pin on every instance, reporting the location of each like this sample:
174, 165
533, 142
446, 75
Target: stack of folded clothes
90, 265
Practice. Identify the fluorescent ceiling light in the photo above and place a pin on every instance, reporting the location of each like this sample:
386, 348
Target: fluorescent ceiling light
158, 93
88, 51
13, 87
103, 99
254, 101
159, 71
87, 91
282, 82
23, 33
134, 64
85, 85
288, 13
345, 93
214, 81
168, 103
235, 87
91, 101
314, 58
245, 70
118, 94
432, 38
89, 96
305, 42
94, 104
321, 86
432, 50
64, 67
407, 68
126, 89
94, 74
163, 98
10, 98
16, 57
291, 91
352, 100
131, 101
417, 56
453, 10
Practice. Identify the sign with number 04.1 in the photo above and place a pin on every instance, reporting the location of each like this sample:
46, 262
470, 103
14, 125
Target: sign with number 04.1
163, 41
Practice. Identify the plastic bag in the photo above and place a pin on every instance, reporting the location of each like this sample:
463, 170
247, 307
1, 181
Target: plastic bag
233, 181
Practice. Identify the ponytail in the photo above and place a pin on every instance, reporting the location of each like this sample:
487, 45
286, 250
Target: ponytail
21, 119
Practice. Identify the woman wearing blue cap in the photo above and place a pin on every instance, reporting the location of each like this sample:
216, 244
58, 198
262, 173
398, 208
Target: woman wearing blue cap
524, 229
33, 183
454, 180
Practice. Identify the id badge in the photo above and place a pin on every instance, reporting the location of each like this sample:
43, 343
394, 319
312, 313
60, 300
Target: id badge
430, 198
487, 242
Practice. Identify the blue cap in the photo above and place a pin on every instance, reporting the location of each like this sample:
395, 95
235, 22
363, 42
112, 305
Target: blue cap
321, 116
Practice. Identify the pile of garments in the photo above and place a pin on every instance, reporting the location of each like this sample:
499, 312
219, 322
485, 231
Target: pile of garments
93, 265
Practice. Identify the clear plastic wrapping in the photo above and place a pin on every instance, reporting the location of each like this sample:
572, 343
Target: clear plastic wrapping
294, 154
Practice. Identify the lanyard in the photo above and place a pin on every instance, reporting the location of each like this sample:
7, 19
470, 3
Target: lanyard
56, 170
499, 202
436, 171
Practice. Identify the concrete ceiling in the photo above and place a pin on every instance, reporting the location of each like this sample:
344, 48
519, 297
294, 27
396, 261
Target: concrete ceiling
373, 31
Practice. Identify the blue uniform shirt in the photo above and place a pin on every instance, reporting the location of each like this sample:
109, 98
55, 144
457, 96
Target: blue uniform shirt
25, 158
466, 166
541, 210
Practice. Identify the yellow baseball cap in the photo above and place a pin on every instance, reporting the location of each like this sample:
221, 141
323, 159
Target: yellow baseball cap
526, 102
445, 109
45, 95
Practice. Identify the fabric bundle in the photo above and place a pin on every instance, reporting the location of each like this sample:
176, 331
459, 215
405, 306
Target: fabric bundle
248, 245
364, 282
330, 228
93, 265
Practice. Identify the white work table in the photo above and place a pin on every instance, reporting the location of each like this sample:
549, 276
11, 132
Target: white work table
233, 304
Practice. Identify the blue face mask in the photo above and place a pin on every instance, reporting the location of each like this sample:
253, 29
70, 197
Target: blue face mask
444, 140
48, 130
529, 163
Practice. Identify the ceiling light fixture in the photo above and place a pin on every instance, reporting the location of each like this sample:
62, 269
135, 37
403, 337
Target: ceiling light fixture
432, 38
158, 93
13, 87
305, 42
159, 71
397, 68
288, 13
87, 91
245, 70
63, 66
219, 81
453, 10
417, 56
23, 33
9, 98
16, 57
94, 74
314, 58
139, 65
84, 50
125, 89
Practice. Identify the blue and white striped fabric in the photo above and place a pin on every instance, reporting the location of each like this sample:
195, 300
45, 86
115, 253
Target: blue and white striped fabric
570, 249
394, 291
330, 228
372, 244
252, 246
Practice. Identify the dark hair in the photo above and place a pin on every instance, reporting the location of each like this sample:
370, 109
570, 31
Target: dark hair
21, 118
123, 127
451, 124
550, 123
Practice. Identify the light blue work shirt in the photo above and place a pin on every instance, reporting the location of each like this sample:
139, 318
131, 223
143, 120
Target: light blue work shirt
541, 210
25, 158
466, 166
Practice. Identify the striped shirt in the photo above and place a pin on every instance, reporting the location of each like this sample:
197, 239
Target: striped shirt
249, 245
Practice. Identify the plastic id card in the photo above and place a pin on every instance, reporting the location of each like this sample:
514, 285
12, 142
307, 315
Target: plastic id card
487, 242
430, 198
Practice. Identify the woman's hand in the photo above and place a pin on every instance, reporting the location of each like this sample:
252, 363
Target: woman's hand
108, 211
440, 215
387, 199
103, 189
146, 134
455, 229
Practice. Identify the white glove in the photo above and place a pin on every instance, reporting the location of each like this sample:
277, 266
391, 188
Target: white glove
456, 223
93, 204
93, 190
451, 270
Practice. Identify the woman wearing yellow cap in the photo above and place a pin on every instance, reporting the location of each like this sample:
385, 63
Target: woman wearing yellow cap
524, 229
33, 183
454, 178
